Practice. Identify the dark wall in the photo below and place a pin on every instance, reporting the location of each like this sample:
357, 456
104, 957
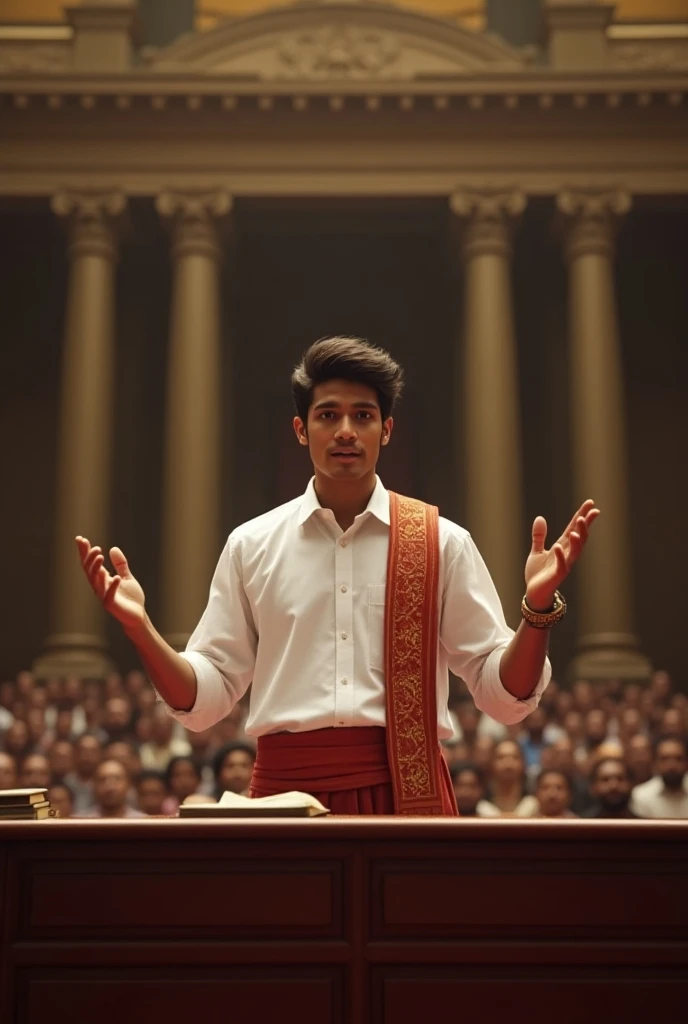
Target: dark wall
296, 273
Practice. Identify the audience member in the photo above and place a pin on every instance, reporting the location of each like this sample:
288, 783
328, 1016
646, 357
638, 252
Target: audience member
61, 758
111, 784
34, 772
563, 759
8, 771
507, 783
117, 719
163, 745
151, 791
126, 753
61, 799
665, 795
183, 777
88, 754
639, 758
610, 786
232, 768
469, 789
553, 794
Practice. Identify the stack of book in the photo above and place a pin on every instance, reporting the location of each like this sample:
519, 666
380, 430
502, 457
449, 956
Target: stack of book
28, 804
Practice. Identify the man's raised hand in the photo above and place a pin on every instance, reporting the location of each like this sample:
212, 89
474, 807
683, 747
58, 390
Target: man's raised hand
546, 569
120, 594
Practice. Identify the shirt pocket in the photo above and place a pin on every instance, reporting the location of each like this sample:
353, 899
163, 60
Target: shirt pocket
376, 626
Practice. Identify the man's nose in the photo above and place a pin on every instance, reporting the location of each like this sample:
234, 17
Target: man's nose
346, 427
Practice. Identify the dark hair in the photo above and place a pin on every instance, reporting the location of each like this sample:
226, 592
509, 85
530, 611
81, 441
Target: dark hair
595, 771
560, 773
149, 773
344, 358
178, 760
670, 739
231, 748
67, 788
467, 766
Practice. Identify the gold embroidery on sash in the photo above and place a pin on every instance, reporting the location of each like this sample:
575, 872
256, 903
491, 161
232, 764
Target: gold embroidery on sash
410, 655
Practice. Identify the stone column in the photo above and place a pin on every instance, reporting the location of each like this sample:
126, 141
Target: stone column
103, 32
76, 643
576, 32
607, 646
492, 425
193, 464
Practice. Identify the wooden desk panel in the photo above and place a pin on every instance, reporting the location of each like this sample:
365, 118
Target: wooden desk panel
354, 921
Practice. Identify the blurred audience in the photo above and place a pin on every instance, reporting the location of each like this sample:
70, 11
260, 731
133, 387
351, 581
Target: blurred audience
665, 795
108, 748
610, 787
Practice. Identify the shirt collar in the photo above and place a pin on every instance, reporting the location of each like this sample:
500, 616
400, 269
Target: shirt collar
378, 504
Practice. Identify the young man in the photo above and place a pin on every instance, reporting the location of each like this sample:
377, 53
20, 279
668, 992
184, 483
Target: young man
345, 608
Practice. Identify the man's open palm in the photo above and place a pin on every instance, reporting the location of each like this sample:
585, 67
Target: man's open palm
546, 569
120, 594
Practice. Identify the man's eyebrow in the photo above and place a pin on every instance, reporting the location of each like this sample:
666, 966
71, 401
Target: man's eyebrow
331, 403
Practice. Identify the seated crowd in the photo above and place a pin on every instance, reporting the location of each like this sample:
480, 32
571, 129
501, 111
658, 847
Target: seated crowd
110, 749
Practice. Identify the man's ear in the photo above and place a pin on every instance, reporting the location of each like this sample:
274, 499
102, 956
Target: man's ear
300, 430
387, 430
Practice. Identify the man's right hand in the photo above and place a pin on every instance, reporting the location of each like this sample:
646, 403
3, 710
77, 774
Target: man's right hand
120, 594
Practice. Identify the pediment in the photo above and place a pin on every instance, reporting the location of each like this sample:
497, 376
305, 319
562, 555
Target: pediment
350, 41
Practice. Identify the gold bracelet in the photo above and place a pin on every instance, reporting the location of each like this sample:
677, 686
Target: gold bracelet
544, 620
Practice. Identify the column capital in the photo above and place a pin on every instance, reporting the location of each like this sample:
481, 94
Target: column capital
92, 219
487, 220
193, 220
591, 220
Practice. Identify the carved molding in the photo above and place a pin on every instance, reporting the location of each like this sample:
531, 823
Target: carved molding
193, 219
38, 57
338, 40
487, 219
93, 221
638, 57
591, 220
338, 51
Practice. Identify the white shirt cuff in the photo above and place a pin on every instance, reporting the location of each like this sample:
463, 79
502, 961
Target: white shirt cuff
491, 697
212, 700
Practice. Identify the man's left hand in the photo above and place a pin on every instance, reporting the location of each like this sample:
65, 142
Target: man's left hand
546, 569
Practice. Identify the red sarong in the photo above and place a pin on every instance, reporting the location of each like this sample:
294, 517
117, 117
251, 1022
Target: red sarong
347, 770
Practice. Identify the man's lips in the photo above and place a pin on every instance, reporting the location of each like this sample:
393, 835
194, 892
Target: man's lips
346, 453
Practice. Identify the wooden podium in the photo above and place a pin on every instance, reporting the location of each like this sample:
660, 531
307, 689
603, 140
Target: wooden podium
343, 921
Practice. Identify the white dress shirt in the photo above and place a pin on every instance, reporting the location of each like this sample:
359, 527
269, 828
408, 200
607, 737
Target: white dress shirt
652, 799
297, 608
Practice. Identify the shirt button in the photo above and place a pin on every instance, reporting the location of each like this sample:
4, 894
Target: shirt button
344, 588
344, 636
345, 680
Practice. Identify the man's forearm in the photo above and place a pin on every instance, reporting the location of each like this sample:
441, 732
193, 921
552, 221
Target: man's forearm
523, 661
171, 675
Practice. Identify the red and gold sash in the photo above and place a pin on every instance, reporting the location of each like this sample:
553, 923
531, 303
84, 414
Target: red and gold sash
419, 772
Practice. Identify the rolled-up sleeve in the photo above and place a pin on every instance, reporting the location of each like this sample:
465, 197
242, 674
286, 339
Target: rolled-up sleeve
475, 635
222, 648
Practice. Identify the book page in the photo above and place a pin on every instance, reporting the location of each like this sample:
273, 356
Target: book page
292, 799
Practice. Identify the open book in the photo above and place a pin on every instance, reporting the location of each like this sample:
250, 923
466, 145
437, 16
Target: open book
281, 805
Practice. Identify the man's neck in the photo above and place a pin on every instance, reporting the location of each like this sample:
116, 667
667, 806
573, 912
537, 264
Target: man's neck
345, 499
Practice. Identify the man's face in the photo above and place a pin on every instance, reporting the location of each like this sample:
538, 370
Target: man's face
596, 726
151, 793
126, 755
184, 780
61, 758
612, 785
344, 430
35, 772
468, 792
8, 771
671, 763
553, 795
117, 716
507, 762
17, 737
535, 724
563, 755
88, 755
236, 771
111, 785
7, 694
